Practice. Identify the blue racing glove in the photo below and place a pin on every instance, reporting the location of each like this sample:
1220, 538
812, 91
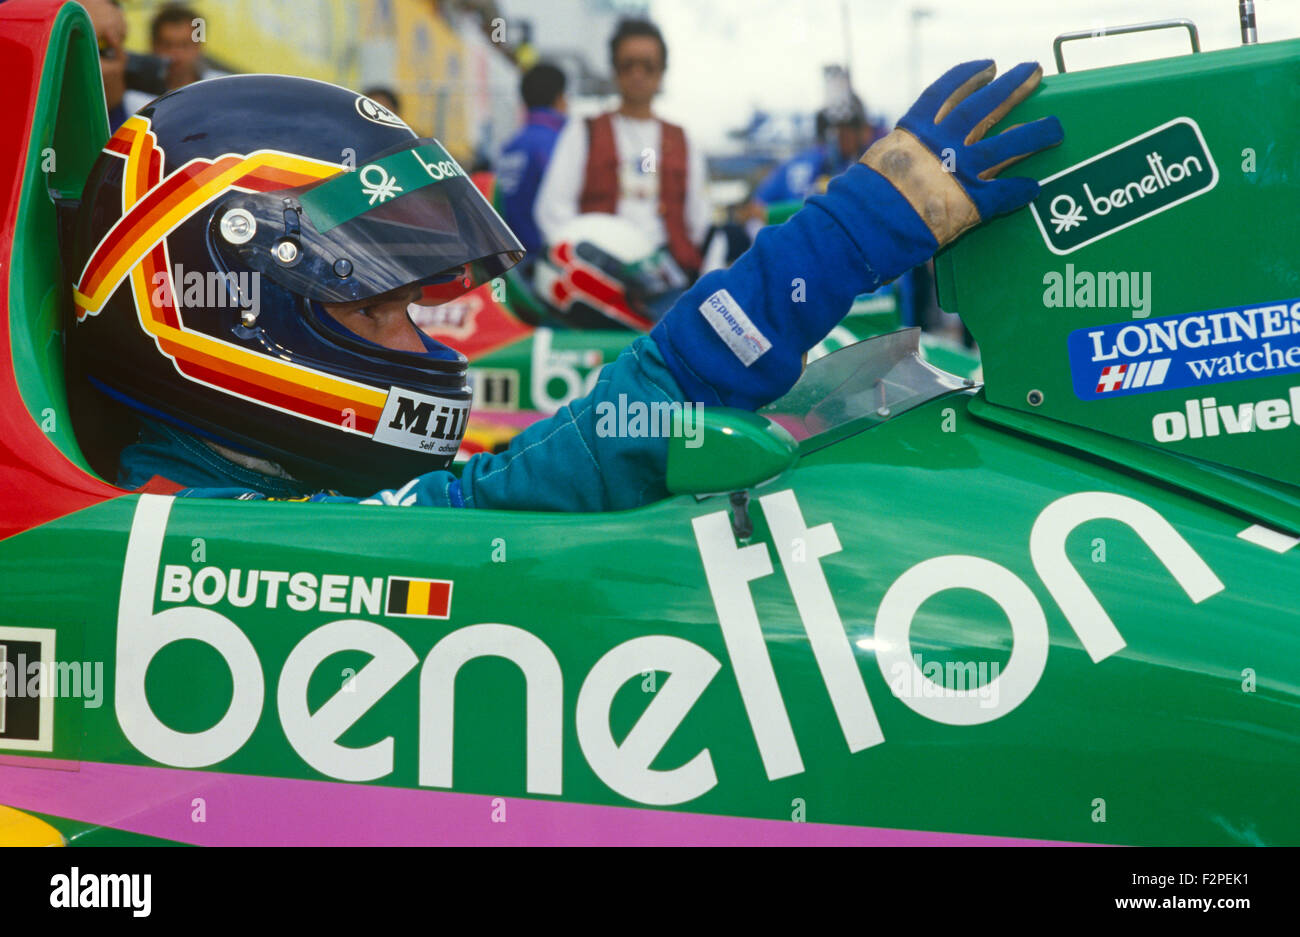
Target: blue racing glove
937, 156
738, 336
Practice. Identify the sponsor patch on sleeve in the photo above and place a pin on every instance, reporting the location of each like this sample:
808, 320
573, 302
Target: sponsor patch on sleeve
725, 316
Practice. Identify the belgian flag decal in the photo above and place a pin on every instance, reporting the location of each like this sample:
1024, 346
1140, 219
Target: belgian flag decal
418, 598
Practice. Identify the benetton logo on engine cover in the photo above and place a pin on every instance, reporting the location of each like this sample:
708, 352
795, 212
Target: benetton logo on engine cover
1124, 185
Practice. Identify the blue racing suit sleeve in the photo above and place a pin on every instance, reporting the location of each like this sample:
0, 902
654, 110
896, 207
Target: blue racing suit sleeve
737, 337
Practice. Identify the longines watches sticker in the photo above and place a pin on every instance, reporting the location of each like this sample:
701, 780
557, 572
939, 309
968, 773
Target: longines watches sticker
1194, 349
1126, 184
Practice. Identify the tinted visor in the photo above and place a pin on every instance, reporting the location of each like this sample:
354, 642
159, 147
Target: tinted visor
410, 215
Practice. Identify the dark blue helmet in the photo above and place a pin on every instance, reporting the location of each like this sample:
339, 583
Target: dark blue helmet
212, 227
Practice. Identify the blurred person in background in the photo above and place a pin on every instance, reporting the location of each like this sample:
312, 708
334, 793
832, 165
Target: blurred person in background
843, 132
796, 177
110, 33
629, 162
524, 158
176, 41
171, 33
174, 34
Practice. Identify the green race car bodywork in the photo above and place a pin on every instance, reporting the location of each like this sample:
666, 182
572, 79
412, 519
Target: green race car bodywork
889, 609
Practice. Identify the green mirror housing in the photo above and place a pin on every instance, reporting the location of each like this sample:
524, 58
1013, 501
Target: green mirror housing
726, 450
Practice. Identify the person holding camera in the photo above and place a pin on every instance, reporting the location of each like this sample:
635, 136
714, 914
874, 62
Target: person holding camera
110, 32
175, 38
132, 80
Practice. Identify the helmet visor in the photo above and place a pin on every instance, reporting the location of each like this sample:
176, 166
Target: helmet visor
410, 215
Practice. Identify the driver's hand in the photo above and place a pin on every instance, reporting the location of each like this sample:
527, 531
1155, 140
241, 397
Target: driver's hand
939, 160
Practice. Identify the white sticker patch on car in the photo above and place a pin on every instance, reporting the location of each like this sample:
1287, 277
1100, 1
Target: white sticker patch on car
421, 422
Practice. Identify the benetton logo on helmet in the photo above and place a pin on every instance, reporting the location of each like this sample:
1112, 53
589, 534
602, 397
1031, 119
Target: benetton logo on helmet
423, 423
346, 196
1124, 185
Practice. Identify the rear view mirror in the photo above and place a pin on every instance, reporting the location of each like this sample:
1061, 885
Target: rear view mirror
726, 450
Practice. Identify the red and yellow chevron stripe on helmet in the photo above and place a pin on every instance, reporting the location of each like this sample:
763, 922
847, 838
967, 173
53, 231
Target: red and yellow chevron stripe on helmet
135, 246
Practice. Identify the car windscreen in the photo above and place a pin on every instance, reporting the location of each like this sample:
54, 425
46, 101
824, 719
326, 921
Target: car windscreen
872, 381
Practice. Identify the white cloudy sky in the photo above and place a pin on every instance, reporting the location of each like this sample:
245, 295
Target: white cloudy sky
729, 55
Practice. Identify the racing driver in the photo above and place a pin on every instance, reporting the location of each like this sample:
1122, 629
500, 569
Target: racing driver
247, 248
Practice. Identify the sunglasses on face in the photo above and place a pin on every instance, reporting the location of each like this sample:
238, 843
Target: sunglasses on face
646, 65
